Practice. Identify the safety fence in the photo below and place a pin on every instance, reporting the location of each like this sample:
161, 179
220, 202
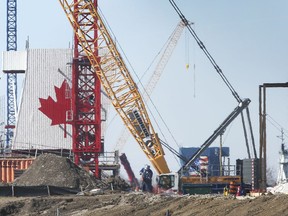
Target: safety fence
30, 191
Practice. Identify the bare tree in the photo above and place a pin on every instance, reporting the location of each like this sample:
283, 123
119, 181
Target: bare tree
271, 176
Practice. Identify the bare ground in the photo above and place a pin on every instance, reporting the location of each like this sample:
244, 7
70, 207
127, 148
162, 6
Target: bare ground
57, 171
142, 204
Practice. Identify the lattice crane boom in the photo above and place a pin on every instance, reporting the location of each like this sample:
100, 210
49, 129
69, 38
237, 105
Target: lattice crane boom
11, 76
153, 80
115, 78
164, 59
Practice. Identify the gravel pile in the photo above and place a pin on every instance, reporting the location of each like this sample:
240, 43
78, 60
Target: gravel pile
53, 170
117, 183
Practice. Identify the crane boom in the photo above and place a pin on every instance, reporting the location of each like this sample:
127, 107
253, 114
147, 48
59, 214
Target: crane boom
219, 71
202, 46
115, 78
153, 80
216, 133
173, 39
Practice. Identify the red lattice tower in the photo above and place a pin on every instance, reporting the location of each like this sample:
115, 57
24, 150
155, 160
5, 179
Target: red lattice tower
86, 97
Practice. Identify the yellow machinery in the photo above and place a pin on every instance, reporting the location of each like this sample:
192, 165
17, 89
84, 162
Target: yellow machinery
115, 77
123, 92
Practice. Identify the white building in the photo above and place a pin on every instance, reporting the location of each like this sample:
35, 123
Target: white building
45, 71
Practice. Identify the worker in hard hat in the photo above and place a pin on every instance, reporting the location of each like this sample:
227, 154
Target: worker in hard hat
146, 174
225, 191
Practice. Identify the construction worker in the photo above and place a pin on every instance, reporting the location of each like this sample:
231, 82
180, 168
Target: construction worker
146, 174
225, 191
238, 191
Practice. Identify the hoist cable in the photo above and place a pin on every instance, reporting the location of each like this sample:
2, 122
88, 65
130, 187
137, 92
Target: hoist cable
202, 46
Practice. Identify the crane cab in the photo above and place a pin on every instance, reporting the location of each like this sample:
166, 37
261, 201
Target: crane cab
168, 183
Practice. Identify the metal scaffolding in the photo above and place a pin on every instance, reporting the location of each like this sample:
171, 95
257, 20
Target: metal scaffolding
11, 75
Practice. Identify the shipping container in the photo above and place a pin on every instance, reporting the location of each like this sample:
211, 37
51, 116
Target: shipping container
212, 155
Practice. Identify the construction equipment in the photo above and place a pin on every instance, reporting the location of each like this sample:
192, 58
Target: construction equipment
221, 74
122, 90
84, 113
11, 75
175, 181
115, 77
202, 46
151, 84
131, 176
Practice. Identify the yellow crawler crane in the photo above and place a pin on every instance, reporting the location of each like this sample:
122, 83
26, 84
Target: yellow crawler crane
115, 77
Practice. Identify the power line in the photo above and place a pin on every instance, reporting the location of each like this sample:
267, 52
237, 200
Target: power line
274, 123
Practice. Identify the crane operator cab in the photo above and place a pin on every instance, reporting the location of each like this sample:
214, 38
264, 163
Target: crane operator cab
168, 182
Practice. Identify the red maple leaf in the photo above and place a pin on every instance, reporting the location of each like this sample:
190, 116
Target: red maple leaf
56, 110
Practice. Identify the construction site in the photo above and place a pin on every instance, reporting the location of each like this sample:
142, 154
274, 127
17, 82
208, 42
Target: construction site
83, 132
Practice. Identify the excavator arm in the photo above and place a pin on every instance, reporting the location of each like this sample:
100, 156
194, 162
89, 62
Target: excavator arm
115, 77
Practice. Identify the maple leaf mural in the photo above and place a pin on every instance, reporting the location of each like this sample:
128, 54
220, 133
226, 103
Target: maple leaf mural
56, 110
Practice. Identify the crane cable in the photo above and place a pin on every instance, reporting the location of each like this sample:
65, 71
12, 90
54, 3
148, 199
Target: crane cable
156, 56
145, 72
187, 51
187, 59
194, 68
274, 123
217, 68
202, 46
139, 81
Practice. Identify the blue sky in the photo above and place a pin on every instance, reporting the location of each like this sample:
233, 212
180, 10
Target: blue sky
247, 39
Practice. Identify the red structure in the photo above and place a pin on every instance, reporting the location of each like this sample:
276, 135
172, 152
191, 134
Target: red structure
86, 99
131, 176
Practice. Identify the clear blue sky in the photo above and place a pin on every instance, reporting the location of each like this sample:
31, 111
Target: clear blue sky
248, 40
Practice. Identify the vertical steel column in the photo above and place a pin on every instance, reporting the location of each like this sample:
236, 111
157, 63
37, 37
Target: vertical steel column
260, 137
220, 154
262, 129
11, 76
86, 98
264, 140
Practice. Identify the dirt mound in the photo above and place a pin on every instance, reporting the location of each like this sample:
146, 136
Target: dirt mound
117, 183
53, 170
143, 204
